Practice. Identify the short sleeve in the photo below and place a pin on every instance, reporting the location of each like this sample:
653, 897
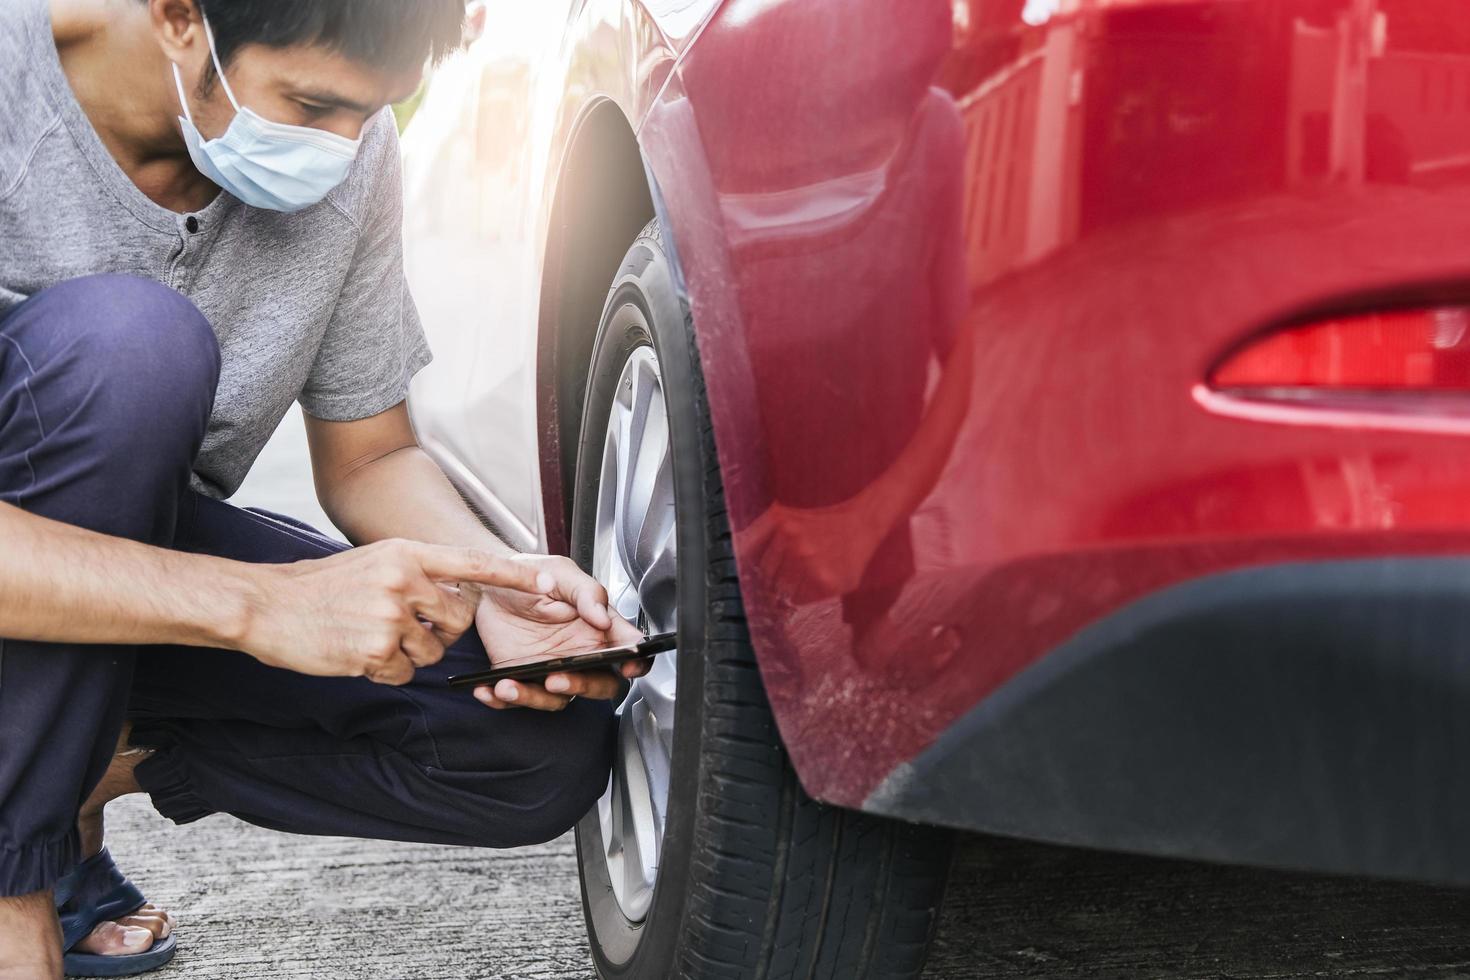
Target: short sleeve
374, 343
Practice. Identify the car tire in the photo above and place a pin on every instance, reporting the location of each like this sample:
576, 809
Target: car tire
754, 878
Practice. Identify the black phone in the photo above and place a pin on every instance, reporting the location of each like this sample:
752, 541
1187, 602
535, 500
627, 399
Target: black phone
538, 670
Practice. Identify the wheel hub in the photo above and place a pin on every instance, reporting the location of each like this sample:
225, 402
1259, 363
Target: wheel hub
634, 557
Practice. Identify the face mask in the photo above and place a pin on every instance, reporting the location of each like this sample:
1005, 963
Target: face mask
266, 164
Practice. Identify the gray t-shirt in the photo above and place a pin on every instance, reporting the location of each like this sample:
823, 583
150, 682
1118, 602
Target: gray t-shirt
310, 306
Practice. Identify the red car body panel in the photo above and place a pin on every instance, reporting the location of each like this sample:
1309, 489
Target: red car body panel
959, 270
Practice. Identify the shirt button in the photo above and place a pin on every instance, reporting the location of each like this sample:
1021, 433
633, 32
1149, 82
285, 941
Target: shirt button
191, 223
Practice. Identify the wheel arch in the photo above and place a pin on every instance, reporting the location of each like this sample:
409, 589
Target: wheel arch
602, 200
612, 182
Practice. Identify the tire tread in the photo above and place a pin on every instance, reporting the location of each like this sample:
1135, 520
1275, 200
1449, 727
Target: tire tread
783, 887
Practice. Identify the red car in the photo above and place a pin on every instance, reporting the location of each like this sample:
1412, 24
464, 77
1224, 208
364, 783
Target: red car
1045, 418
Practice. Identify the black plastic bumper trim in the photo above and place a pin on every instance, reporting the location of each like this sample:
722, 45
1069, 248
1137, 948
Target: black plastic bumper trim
1312, 715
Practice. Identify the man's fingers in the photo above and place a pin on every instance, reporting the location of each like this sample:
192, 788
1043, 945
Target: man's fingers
446, 638
578, 589
422, 647
554, 611
600, 685
449, 611
482, 568
486, 696
637, 668
623, 633
397, 671
591, 603
530, 696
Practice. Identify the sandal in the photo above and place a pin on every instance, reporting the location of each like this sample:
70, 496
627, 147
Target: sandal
95, 892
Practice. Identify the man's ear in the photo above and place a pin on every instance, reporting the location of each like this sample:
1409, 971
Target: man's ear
179, 27
474, 21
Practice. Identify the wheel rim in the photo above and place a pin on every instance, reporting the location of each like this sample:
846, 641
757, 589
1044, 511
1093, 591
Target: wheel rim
634, 557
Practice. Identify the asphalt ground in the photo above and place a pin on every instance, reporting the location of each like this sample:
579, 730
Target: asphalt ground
256, 904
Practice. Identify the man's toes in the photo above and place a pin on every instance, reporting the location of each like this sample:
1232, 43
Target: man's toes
113, 939
154, 912
156, 922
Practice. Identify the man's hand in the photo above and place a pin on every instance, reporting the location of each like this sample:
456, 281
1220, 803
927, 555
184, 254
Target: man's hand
573, 617
399, 491
378, 611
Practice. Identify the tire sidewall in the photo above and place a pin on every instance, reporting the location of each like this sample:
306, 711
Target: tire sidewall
644, 308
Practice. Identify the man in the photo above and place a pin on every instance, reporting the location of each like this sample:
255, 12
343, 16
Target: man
199, 225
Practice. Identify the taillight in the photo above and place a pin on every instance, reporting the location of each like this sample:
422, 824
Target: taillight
1397, 351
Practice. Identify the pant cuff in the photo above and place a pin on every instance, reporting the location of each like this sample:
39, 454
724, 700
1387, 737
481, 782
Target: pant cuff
164, 776
29, 868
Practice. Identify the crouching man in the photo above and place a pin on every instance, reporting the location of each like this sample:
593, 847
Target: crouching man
200, 225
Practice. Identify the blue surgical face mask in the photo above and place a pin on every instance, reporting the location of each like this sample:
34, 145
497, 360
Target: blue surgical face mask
266, 164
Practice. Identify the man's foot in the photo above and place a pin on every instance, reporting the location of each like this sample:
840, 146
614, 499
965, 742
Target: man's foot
135, 933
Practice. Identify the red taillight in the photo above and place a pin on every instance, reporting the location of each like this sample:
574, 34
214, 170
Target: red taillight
1403, 350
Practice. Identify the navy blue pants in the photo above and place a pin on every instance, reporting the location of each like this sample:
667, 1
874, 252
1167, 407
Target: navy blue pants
106, 385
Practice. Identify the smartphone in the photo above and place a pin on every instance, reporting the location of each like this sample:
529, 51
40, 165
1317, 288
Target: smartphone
539, 670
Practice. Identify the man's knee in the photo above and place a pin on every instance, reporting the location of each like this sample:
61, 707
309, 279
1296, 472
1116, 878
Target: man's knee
129, 351
571, 774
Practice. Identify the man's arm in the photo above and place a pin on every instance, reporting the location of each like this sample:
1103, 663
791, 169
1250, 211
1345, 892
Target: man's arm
375, 482
63, 584
360, 613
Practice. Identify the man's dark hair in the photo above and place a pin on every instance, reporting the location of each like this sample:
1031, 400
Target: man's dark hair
382, 33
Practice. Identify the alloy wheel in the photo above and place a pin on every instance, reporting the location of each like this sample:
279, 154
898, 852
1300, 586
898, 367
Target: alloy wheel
634, 557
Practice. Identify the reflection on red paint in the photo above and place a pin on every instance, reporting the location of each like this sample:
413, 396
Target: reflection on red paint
1404, 349
960, 270
960, 291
